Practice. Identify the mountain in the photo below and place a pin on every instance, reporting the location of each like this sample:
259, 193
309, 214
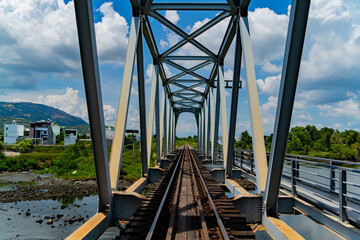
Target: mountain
25, 112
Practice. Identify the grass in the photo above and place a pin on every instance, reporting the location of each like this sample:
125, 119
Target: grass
76, 161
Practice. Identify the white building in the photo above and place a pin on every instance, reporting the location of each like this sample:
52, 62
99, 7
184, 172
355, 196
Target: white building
12, 132
70, 136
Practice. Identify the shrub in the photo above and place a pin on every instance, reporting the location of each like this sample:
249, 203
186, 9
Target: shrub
25, 146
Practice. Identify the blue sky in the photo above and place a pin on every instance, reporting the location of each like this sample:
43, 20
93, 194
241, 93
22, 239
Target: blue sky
39, 59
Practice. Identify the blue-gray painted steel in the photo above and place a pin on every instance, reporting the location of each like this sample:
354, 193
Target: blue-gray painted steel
293, 51
142, 106
234, 103
90, 68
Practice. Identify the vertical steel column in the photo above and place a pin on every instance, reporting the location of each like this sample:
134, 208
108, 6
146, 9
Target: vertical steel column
221, 88
212, 124
203, 128
170, 128
90, 68
121, 116
206, 126
200, 129
166, 119
162, 120
157, 120
142, 107
234, 102
208, 129
217, 120
254, 106
153, 91
289, 77
174, 131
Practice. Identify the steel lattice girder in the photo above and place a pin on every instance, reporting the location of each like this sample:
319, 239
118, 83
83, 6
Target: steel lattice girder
147, 9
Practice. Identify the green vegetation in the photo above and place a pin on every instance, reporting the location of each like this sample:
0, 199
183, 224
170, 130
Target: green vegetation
71, 162
309, 141
192, 141
76, 161
25, 146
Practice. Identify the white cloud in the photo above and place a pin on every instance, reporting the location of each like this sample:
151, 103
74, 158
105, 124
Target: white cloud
270, 68
71, 103
149, 70
172, 16
269, 86
133, 119
268, 33
40, 39
111, 35
348, 108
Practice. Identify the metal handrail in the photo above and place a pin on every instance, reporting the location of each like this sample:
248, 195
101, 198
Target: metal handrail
244, 159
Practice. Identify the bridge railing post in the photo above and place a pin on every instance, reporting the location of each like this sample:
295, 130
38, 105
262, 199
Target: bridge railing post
252, 162
332, 176
294, 174
342, 193
241, 158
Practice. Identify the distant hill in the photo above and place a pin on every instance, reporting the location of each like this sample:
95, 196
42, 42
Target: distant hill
25, 112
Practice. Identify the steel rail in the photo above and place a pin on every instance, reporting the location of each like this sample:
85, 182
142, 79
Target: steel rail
204, 229
157, 215
218, 219
174, 210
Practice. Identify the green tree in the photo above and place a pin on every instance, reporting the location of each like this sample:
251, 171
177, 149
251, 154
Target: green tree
25, 146
313, 132
268, 142
245, 141
325, 139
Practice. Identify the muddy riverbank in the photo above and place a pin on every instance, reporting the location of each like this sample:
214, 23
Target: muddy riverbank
27, 186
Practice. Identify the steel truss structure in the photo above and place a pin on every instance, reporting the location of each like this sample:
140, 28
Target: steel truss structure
188, 91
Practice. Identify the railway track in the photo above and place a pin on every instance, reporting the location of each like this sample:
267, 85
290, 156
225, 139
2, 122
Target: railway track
187, 203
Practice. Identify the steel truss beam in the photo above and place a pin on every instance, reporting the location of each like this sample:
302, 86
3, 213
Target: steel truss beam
90, 68
254, 105
234, 104
119, 135
289, 77
142, 107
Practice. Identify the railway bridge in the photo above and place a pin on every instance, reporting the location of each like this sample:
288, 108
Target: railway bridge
199, 193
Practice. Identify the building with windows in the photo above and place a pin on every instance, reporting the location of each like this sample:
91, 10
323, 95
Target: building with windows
12, 132
42, 130
70, 136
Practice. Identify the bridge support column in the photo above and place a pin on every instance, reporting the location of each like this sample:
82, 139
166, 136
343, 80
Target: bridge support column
90, 68
166, 125
157, 120
153, 98
162, 121
208, 129
216, 121
200, 130
212, 120
234, 103
207, 121
142, 107
221, 89
254, 105
119, 135
289, 77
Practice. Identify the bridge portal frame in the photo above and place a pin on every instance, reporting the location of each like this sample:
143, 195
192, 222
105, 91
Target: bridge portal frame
237, 11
